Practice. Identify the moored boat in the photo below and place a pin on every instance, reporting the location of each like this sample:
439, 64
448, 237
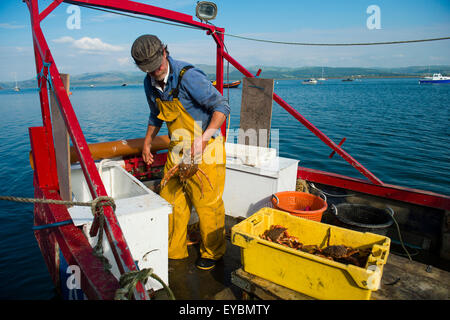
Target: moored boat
322, 77
66, 236
436, 78
16, 87
233, 84
310, 81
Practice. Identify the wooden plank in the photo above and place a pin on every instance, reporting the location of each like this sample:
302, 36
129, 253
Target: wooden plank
402, 280
256, 111
62, 146
264, 289
411, 280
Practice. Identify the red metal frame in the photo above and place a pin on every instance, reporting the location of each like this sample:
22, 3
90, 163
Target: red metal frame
414, 196
45, 66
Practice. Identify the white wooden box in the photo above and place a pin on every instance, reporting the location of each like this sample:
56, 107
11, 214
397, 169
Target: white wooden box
253, 174
142, 216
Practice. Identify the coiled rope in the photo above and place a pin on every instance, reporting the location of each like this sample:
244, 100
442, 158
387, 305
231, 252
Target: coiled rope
128, 280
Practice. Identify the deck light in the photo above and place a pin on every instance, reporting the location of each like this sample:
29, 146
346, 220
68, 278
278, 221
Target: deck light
206, 10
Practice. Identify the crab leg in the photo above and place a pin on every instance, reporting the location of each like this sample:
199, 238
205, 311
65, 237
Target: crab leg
201, 184
169, 174
206, 177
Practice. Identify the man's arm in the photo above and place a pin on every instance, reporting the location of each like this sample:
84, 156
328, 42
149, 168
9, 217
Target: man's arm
147, 156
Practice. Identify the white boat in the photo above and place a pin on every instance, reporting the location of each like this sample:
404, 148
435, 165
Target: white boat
310, 81
16, 88
436, 78
322, 78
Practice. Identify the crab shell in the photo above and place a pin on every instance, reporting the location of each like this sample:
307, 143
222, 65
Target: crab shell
339, 251
275, 233
187, 170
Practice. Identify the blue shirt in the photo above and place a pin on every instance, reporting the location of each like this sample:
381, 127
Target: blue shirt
197, 95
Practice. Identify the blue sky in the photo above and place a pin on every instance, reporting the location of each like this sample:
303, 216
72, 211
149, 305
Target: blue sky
103, 41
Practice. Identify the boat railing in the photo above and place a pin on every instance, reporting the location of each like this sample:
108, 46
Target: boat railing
48, 73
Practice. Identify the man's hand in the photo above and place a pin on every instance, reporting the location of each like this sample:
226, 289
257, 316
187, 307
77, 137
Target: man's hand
198, 146
200, 143
147, 155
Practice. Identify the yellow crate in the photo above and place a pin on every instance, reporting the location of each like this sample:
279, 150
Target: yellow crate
314, 276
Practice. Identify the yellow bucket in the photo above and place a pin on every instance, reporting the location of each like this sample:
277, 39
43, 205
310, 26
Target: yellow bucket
312, 275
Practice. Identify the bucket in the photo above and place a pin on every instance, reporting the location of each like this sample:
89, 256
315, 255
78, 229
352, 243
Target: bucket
363, 218
300, 204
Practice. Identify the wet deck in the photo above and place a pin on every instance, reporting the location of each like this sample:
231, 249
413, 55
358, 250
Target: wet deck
187, 282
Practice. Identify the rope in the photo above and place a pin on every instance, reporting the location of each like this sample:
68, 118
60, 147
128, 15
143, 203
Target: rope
96, 208
331, 195
400, 235
270, 41
107, 201
129, 280
334, 44
140, 18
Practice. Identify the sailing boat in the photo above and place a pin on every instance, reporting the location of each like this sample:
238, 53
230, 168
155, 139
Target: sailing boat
322, 78
16, 88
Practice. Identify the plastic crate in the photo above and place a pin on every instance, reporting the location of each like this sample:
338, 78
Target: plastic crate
312, 275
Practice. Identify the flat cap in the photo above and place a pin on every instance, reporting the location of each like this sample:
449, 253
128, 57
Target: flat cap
147, 52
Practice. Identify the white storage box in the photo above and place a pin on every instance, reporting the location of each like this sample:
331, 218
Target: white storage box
142, 215
253, 174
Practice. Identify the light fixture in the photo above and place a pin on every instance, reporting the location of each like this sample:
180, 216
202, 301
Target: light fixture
206, 10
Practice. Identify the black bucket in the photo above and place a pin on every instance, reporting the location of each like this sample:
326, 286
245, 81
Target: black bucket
363, 218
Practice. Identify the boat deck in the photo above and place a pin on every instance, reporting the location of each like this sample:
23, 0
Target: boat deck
187, 282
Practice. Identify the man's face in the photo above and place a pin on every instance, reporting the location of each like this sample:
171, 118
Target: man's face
160, 73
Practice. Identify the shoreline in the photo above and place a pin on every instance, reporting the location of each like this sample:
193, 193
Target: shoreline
119, 84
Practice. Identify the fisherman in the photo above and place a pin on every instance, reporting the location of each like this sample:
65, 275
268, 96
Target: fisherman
193, 109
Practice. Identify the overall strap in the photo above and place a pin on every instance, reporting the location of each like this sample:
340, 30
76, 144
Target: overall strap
176, 91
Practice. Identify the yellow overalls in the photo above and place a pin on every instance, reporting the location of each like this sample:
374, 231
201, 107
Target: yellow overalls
210, 208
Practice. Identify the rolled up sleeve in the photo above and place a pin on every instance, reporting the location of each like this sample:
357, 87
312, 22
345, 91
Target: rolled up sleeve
154, 111
202, 91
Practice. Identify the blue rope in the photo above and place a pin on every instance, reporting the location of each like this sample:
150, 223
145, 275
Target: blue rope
41, 74
52, 225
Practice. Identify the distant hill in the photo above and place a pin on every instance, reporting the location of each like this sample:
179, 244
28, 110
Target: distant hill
137, 77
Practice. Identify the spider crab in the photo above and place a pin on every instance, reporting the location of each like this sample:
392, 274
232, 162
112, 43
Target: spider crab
279, 234
339, 253
186, 169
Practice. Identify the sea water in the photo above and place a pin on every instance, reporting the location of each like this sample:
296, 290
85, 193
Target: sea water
396, 128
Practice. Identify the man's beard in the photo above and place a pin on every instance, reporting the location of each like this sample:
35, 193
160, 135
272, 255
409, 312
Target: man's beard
160, 77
